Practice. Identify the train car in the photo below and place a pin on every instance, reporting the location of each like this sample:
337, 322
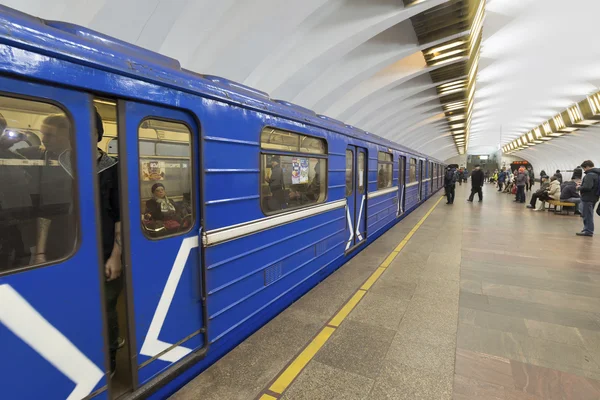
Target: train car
231, 205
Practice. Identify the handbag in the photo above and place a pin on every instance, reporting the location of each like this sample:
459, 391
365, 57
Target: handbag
514, 190
171, 224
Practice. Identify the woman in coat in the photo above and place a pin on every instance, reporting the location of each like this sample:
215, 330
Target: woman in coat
522, 180
162, 208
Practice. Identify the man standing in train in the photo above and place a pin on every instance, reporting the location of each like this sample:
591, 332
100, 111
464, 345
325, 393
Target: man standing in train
56, 136
276, 185
110, 218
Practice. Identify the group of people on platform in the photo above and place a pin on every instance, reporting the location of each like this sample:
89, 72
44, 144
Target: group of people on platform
583, 189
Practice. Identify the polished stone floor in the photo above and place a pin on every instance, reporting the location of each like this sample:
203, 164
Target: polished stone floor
486, 301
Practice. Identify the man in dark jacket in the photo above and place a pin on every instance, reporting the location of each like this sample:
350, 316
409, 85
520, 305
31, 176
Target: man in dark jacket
450, 183
477, 178
531, 178
569, 194
559, 176
589, 197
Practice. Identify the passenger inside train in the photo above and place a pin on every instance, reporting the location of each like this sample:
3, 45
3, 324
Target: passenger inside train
292, 181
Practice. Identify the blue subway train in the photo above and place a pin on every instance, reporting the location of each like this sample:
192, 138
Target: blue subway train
224, 206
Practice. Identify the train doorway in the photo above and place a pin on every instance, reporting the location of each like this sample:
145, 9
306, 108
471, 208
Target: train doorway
159, 171
356, 196
421, 166
401, 184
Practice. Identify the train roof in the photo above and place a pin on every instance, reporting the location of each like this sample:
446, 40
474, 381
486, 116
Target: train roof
84, 46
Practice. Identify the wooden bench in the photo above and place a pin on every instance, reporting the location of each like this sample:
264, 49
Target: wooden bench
562, 205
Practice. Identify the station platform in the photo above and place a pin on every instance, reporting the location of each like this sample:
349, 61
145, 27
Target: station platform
471, 301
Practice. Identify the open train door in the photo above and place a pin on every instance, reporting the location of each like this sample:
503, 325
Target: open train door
52, 336
159, 150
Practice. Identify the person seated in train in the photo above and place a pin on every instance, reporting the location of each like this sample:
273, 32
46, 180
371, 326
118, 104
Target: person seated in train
161, 208
313, 192
276, 185
297, 198
381, 181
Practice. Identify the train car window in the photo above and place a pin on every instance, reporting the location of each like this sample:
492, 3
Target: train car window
349, 172
165, 178
38, 213
384, 168
412, 170
291, 181
361, 172
277, 139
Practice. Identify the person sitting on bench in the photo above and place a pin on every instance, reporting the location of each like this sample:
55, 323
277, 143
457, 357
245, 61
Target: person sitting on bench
540, 194
569, 194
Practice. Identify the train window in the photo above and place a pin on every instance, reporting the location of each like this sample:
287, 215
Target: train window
361, 172
165, 177
384, 168
292, 181
412, 170
349, 171
277, 139
38, 217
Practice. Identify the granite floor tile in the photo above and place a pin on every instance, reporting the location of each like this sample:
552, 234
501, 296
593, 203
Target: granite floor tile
484, 367
489, 341
562, 300
554, 332
380, 310
393, 285
468, 388
472, 300
553, 385
422, 356
409, 331
323, 382
534, 311
400, 382
436, 288
495, 321
591, 341
471, 286
558, 354
357, 347
324, 300
450, 272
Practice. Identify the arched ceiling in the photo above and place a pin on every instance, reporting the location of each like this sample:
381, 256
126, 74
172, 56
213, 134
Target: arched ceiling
358, 61
538, 57
366, 63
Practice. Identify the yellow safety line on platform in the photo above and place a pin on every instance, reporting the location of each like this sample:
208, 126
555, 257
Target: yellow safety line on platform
289, 374
300, 362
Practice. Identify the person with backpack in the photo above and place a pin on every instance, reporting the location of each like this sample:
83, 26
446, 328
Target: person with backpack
590, 193
501, 179
531, 180
450, 183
